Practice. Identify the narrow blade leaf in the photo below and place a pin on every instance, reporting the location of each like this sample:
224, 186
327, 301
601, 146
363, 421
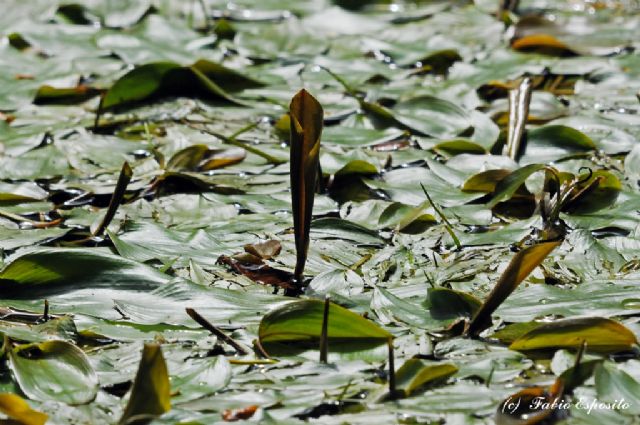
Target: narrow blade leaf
306, 129
518, 269
151, 392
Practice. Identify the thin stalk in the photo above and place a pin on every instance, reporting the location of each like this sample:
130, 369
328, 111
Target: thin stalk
116, 199
232, 141
45, 313
392, 370
216, 331
446, 222
324, 334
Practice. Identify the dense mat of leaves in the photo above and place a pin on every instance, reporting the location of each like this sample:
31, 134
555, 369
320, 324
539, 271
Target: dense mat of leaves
469, 153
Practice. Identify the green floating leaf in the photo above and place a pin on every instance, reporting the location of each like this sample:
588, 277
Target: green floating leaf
614, 385
151, 391
518, 269
54, 371
17, 409
51, 268
457, 147
600, 334
601, 191
553, 142
406, 218
485, 181
445, 303
202, 79
506, 187
416, 373
306, 128
431, 116
297, 326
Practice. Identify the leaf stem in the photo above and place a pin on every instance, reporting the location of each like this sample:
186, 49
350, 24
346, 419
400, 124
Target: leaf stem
392, 370
324, 334
447, 224
216, 331
116, 199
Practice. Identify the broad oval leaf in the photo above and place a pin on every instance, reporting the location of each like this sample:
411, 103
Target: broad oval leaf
416, 373
553, 142
505, 189
431, 116
601, 191
151, 391
485, 181
600, 334
54, 371
300, 323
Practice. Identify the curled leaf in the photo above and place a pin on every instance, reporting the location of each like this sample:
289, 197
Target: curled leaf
306, 128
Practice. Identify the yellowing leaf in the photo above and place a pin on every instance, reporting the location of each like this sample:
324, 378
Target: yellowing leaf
17, 409
151, 392
542, 43
600, 334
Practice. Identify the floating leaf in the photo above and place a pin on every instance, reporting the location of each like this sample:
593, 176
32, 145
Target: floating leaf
48, 269
306, 129
201, 158
17, 409
151, 391
554, 142
542, 43
431, 116
602, 190
203, 79
298, 325
485, 181
600, 334
508, 185
614, 385
416, 373
54, 371
518, 269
